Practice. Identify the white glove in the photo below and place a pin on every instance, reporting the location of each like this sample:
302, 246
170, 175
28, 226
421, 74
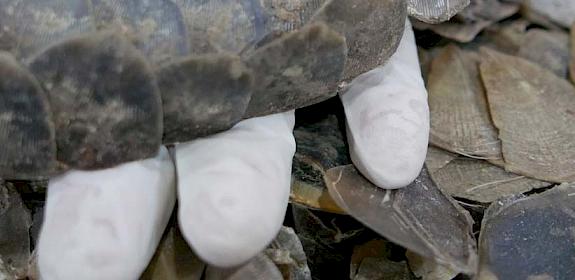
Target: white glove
388, 118
233, 187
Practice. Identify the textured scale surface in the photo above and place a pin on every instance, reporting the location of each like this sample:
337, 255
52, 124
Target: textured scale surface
28, 27
26, 129
544, 149
435, 11
157, 27
183, 86
106, 105
474, 179
124, 77
411, 216
370, 29
460, 120
287, 73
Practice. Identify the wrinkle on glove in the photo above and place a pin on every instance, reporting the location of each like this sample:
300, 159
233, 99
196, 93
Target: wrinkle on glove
388, 118
106, 224
233, 188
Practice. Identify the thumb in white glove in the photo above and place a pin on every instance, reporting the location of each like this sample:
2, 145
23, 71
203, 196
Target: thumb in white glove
233, 188
388, 118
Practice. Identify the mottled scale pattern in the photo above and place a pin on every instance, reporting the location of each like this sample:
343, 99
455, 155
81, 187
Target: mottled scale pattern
234, 26
291, 15
104, 98
156, 27
28, 147
27, 27
184, 86
222, 25
370, 29
123, 77
286, 73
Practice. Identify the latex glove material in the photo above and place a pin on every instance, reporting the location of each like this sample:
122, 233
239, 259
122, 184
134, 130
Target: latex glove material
106, 224
388, 118
233, 188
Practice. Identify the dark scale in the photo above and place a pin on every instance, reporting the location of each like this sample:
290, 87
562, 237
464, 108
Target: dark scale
196, 103
106, 104
27, 148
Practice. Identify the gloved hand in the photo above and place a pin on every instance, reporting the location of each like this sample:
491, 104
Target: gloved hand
232, 187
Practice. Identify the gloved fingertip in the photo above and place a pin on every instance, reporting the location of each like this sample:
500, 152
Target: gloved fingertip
393, 174
233, 189
388, 119
226, 245
388, 144
106, 224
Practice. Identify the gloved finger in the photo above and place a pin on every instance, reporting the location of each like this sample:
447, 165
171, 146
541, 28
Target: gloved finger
388, 118
233, 188
106, 224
